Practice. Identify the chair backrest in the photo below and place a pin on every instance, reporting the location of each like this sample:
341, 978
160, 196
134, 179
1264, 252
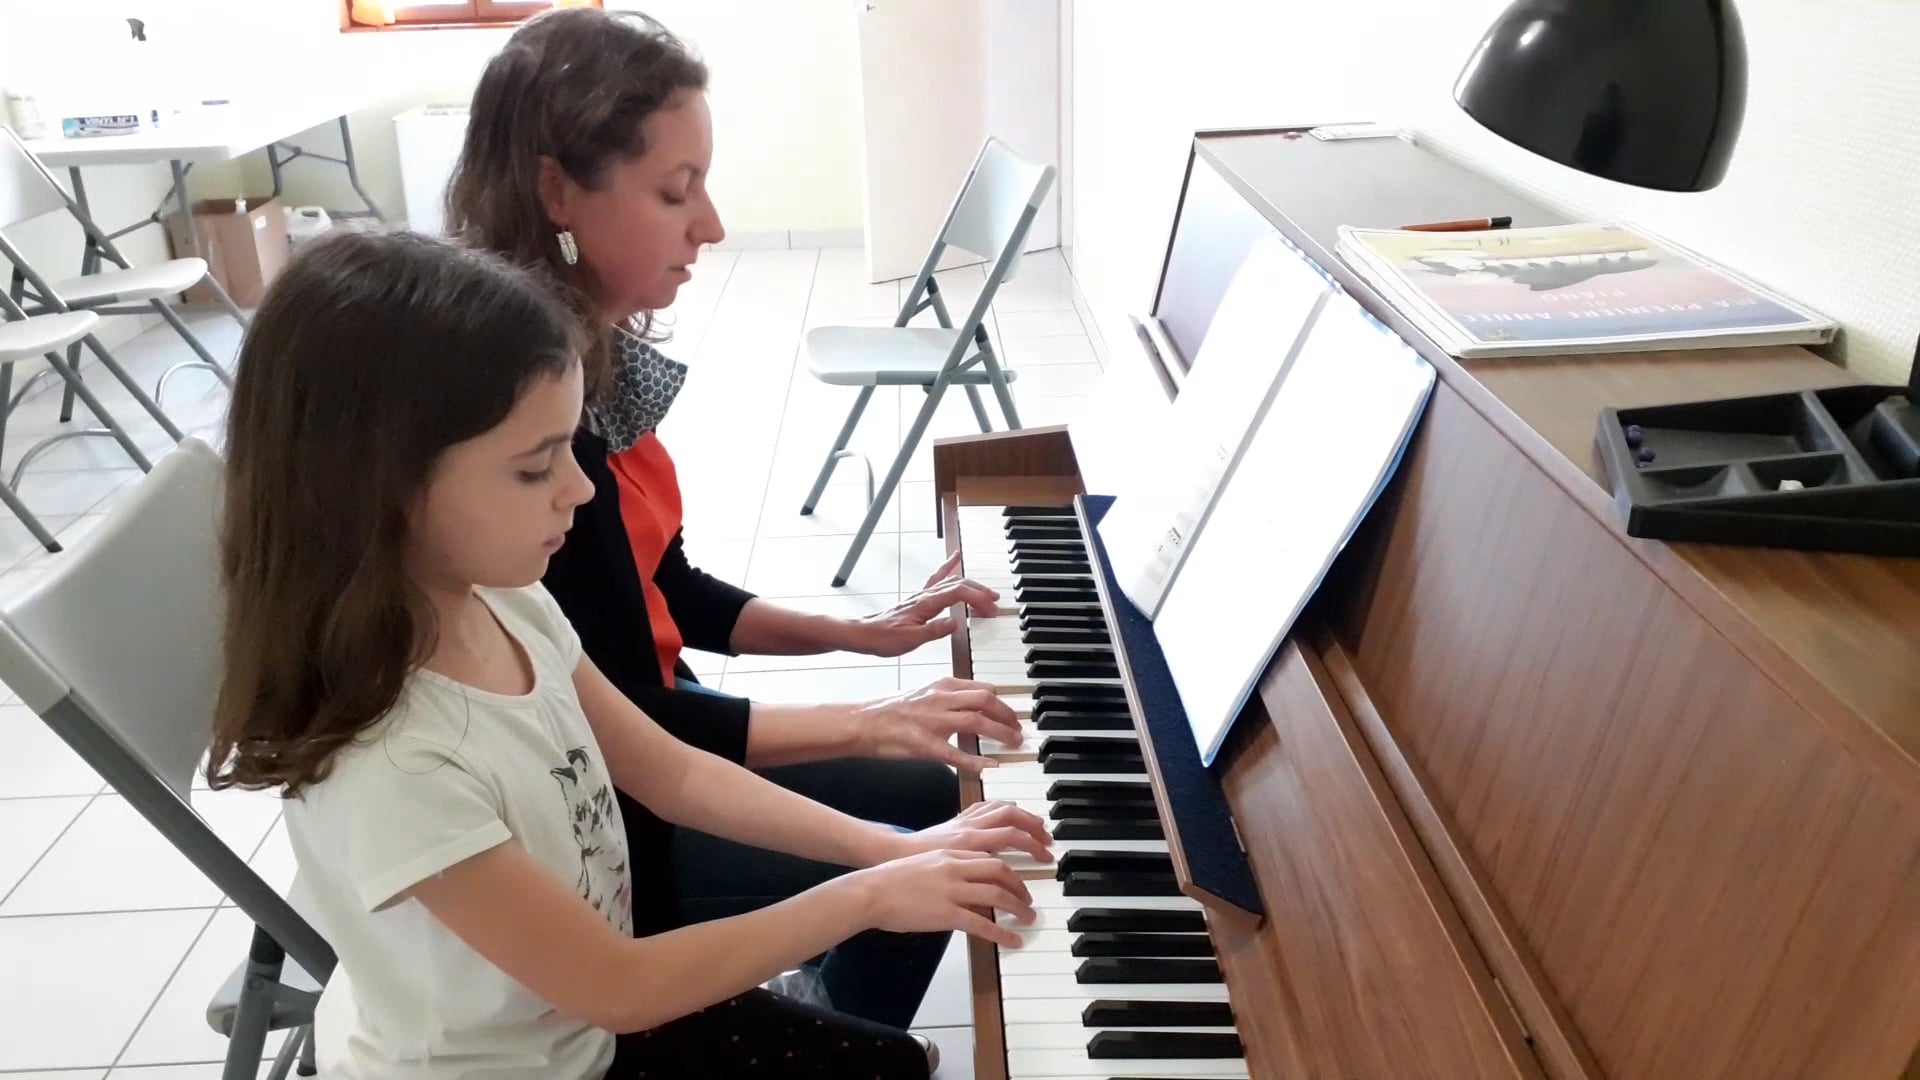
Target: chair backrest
1001, 194
131, 623
27, 190
118, 651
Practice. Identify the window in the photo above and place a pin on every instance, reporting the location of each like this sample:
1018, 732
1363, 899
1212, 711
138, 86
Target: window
417, 14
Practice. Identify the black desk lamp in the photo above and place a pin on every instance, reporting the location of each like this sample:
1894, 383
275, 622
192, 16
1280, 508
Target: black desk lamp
1645, 92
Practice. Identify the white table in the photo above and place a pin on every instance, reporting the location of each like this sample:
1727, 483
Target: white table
263, 118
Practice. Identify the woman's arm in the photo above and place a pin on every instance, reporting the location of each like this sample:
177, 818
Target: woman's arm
765, 628
533, 926
698, 790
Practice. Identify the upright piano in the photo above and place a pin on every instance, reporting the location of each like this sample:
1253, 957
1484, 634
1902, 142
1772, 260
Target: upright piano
1521, 795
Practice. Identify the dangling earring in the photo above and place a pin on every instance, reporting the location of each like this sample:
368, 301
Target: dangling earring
569, 250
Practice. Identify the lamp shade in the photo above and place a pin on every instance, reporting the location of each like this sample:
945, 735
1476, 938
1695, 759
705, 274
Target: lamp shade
1645, 92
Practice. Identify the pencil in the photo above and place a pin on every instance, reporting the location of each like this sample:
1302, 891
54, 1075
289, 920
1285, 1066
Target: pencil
1464, 225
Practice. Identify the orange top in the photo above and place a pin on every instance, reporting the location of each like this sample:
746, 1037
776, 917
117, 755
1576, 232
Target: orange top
650, 507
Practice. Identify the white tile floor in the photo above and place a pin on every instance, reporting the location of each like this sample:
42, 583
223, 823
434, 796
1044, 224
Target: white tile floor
110, 944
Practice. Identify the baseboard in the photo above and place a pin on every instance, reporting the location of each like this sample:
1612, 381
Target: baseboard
784, 239
828, 238
755, 240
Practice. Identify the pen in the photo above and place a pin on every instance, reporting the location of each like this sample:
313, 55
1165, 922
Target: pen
1467, 225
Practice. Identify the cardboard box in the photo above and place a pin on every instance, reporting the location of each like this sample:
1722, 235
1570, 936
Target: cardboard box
244, 251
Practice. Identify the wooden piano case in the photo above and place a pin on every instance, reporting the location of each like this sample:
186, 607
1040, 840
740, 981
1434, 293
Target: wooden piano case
1524, 795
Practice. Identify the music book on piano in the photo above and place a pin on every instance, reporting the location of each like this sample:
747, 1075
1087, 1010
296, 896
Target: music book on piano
1164, 500
1332, 437
1584, 288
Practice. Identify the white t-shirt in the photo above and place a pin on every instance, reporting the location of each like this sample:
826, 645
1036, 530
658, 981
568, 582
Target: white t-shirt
450, 772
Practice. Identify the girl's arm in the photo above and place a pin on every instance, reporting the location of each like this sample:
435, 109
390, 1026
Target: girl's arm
698, 790
533, 926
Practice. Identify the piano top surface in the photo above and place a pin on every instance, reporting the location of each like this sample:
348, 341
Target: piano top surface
1840, 632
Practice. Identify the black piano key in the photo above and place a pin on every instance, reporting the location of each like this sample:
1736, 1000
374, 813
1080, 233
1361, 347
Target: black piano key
1094, 810
1085, 883
1042, 532
1108, 829
1064, 510
1101, 943
1027, 565
1064, 636
1136, 1045
1089, 745
1141, 969
1106, 791
1118, 862
1071, 669
1071, 654
1131, 1014
1023, 595
1090, 920
1069, 720
1075, 764
1078, 694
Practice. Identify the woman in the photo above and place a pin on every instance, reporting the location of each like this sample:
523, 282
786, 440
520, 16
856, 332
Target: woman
587, 154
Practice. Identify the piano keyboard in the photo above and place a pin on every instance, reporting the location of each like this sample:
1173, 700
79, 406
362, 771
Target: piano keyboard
1117, 976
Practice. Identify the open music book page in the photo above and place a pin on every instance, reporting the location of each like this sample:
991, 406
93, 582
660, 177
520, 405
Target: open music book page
1330, 440
1164, 501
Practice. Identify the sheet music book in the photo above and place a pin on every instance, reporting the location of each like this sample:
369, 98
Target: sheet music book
1332, 437
1163, 503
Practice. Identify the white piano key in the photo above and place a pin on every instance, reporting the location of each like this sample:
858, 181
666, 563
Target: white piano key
1032, 771
1020, 987
1071, 1064
1014, 962
1027, 1035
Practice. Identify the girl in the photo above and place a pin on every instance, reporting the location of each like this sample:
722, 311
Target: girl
399, 474
587, 156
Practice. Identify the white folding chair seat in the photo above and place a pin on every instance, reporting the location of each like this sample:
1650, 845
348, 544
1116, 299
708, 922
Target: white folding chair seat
132, 286
31, 337
887, 356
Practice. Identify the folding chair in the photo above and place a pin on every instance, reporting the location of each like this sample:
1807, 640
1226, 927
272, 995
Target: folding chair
118, 651
990, 218
23, 337
28, 190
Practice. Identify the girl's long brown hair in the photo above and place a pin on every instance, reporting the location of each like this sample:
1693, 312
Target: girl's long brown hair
573, 85
368, 358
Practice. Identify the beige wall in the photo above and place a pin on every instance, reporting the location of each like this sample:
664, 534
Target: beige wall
1822, 202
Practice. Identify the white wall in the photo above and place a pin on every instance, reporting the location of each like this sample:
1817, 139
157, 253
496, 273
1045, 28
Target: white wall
1822, 200
784, 92
785, 112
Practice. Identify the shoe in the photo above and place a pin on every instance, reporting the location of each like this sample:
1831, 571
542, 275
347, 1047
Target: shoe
933, 1053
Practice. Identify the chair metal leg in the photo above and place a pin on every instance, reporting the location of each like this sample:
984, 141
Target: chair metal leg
892, 481
979, 408
193, 341
100, 411
133, 387
66, 395
999, 380
839, 451
27, 518
309, 1065
247, 1041
283, 1061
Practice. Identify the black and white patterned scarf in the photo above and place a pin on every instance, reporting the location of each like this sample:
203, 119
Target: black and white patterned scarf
645, 382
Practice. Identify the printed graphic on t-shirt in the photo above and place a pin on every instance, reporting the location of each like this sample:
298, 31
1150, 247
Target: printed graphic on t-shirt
603, 880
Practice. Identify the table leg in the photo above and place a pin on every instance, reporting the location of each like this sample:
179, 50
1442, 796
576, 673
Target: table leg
185, 205
353, 170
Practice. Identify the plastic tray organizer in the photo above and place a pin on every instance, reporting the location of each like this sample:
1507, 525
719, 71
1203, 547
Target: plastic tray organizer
1832, 470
